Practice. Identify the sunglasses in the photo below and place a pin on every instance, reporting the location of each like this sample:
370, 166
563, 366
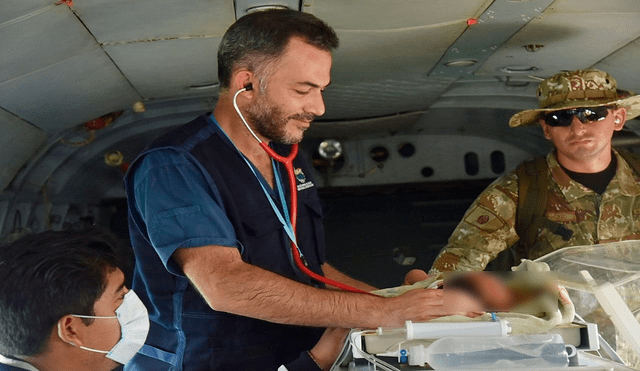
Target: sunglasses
584, 114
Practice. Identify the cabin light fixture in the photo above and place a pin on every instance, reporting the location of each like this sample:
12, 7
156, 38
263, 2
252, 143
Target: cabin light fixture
204, 86
533, 47
330, 149
461, 63
113, 158
328, 159
519, 69
259, 8
244, 7
139, 107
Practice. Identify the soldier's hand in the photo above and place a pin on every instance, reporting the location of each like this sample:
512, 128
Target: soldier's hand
415, 275
328, 348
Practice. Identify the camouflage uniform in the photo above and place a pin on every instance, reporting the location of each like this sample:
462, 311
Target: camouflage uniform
488, 226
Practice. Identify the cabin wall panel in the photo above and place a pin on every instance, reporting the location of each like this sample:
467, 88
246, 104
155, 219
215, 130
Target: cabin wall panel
18, 142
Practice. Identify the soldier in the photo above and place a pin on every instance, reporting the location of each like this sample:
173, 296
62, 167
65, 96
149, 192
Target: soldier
589, 191
584, 192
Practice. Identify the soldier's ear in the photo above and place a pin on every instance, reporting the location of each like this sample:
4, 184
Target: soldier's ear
619, 118
545, 129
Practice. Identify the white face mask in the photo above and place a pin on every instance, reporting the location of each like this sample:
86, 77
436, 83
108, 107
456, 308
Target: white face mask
134, 325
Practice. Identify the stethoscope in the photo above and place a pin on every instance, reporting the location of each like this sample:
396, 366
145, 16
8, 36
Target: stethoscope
291, 218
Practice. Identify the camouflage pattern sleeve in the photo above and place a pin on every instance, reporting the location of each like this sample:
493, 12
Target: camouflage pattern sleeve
486, 229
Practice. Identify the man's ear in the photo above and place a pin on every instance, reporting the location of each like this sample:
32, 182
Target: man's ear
243, 79
619, 118
545, 129
69, 330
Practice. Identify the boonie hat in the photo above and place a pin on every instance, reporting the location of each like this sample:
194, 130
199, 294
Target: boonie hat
582, 88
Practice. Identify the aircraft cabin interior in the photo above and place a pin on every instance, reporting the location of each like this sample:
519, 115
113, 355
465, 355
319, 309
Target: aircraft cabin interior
421, 93
416, 121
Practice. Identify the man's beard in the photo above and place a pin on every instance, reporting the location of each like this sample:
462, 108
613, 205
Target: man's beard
269, 121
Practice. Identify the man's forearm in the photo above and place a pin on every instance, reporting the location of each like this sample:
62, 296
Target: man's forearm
231, 285
228, 284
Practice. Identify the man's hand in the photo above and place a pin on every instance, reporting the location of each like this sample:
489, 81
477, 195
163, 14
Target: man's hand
230, 285
328, 347
421, 305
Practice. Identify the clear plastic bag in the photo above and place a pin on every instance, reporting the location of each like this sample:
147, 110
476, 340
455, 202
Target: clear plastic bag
516, 351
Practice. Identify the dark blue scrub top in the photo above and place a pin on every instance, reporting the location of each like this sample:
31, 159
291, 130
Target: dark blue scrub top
175, 201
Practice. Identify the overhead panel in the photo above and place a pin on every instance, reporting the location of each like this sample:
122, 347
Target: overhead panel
407, 37
593, 6
389, 15
400, 53
367, 99
244, 7
169, 68
13, 10
562, 39
387, 50
124, 21
621, 62
489, 93
164, 48
18, 142
41, 39
480, 40
80, 89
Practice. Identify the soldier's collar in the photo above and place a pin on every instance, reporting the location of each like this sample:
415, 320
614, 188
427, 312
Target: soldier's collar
571, 190
625, 176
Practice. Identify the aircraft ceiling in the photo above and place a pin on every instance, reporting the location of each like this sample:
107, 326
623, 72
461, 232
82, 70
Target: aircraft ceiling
452, 66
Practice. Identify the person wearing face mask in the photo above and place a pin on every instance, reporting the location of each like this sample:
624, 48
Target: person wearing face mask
64, 304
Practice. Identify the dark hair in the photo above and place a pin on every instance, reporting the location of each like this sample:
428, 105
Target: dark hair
261, 37
46, 276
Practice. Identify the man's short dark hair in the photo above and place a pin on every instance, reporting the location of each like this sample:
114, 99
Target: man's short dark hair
46, 276
261, 37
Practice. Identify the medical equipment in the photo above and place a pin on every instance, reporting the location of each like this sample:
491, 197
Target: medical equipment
491, 352
487, 345
603, 282
293, 212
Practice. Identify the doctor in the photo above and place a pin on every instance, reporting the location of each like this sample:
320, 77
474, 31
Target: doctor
64, 305
209, 210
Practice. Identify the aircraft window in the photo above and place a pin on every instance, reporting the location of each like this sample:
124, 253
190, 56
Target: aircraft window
471, 163
427, 172
379, 154
497, 162
406, 150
